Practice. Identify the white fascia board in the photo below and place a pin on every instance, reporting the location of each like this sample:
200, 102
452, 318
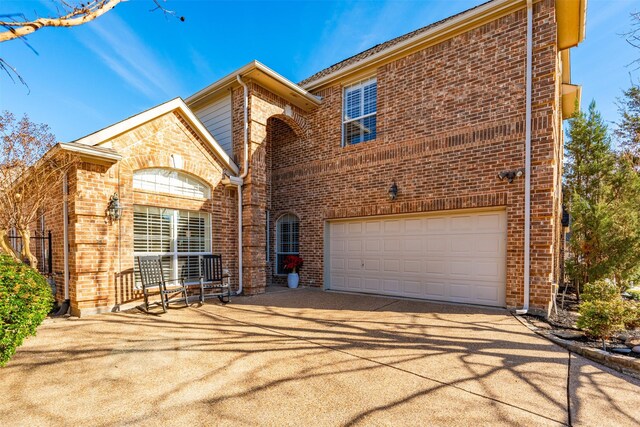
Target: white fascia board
446, 27
89, 151
146, 116
230, 79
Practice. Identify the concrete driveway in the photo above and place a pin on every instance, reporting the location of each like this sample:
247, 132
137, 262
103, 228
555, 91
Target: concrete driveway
307, 357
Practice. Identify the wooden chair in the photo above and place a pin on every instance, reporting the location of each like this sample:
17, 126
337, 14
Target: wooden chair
211, 279
152, 276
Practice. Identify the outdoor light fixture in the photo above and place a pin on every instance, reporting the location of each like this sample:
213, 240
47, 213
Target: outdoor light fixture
114, 209
510, 175
393, 191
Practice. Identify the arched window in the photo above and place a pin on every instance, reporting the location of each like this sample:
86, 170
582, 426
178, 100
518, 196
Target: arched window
170, 181
287, 231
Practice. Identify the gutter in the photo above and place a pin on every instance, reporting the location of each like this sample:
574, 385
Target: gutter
238, 181
527, 164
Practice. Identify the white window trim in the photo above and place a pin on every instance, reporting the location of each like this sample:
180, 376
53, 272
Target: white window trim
174, 254
358, 84
138, 183
278, 223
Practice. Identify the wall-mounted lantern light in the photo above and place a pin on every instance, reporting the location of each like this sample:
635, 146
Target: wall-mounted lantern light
393, 191
510, 175
114, 209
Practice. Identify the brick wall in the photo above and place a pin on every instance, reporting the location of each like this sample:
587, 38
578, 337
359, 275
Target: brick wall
101, 251
450, 118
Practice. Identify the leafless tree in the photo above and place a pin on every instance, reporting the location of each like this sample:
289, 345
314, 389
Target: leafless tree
30, 171
633, 36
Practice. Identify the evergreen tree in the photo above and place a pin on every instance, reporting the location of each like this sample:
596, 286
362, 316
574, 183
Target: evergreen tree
628, 131
604, 200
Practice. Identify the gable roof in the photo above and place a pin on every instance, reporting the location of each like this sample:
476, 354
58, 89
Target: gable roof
176, 104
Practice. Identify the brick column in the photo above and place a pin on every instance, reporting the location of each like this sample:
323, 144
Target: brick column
254, 204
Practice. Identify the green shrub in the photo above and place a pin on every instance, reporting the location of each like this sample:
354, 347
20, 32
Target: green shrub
602, 312
25, 301
631, 314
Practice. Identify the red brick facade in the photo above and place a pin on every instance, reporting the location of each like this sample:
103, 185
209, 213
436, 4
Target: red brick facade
450, 118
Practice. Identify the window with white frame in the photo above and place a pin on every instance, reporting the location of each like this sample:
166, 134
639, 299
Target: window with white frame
359, 112
180, 237
170, 181
287, 234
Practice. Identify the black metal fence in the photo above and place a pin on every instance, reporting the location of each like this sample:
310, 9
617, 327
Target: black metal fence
41, 247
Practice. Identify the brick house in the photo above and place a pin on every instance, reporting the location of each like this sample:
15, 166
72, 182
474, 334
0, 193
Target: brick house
411, 169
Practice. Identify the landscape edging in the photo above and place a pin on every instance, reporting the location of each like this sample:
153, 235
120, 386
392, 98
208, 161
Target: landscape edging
618, 362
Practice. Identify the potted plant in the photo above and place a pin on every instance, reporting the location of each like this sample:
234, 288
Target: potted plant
292, 263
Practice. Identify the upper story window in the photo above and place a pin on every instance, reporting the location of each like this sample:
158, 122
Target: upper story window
359, 112
170, 181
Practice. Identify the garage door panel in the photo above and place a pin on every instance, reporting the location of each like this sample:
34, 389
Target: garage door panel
371, 284
435, 267
391, 245
490, 222
487, 269
337, 264
354, 228
460, 291
338, 246
354, 246
459, 268
372, 265
412, 245
437, 244
461, 223
354, 282
372, 246
487, 293
338, 281
373, 227
461, 244
392, 226
412, 287
435, 290
436, 224
354, 264
411, 266
413, 226
488, 245
449, 257
391, 265
390, 285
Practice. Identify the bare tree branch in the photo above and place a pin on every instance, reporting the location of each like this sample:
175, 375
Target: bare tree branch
80, 14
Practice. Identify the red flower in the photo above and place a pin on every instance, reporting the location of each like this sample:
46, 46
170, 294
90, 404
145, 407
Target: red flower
292, 263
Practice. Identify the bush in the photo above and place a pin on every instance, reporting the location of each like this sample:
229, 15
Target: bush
25, 301
602, 312
631, 314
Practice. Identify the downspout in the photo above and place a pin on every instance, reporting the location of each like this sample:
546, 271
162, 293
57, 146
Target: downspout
238, 181
65, 218
527, 163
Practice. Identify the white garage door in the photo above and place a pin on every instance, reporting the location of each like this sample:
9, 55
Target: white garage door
457, 257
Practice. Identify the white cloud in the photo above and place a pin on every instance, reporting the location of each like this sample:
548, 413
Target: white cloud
117, 45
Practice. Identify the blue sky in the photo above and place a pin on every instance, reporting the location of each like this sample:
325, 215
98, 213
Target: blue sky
130, 59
